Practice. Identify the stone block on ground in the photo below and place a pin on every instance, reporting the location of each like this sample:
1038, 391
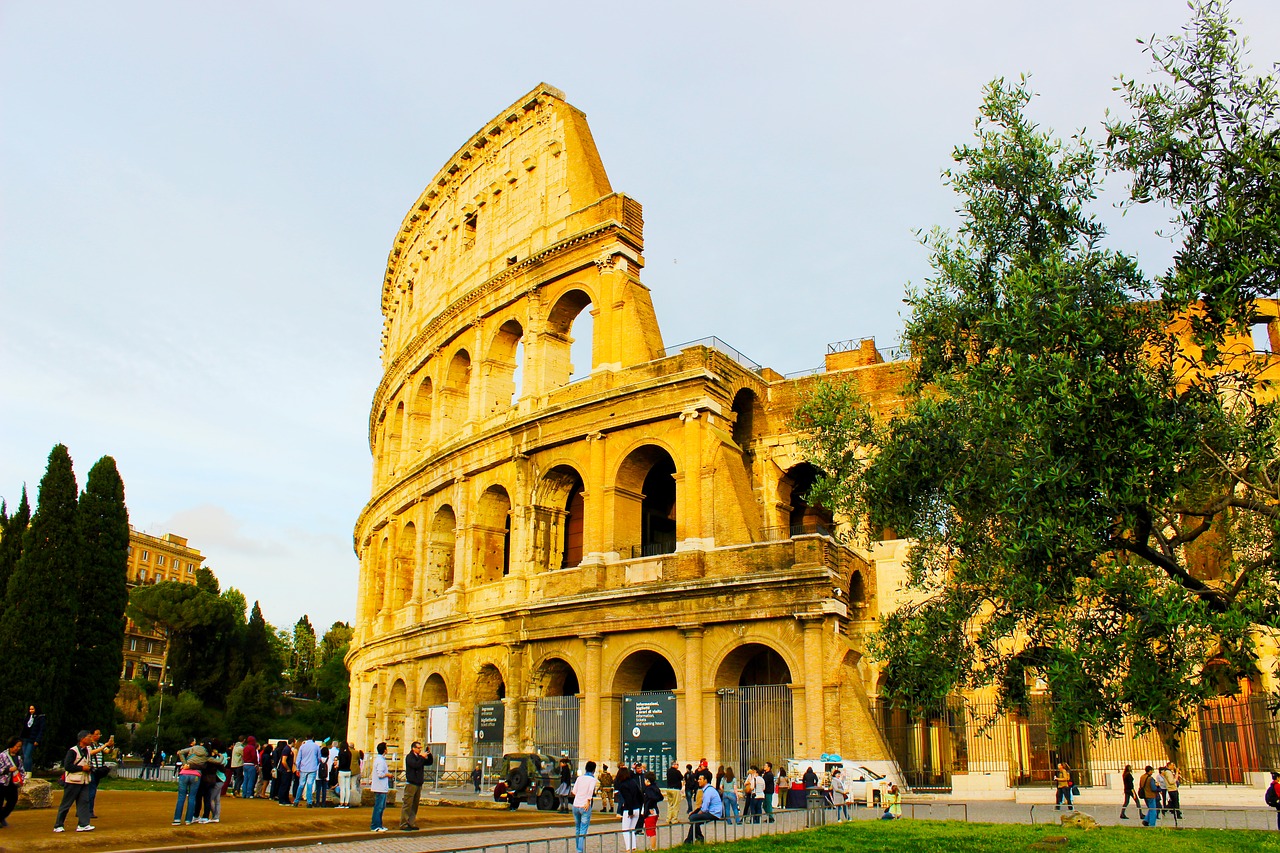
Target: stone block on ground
35, 794
1079, 820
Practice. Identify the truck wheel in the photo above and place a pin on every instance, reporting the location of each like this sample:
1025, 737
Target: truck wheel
546, 800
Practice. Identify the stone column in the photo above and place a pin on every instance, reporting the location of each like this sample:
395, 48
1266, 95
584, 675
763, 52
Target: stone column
590, 743
690, 736
594, 524
689, 501
812, 624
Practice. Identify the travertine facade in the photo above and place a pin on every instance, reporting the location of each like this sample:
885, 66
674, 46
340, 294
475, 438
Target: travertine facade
558, 547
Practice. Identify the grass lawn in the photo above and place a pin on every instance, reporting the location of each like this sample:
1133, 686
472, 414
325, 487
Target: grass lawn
907, 836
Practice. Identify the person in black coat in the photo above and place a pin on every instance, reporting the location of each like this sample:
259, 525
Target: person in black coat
630, 799
31, 732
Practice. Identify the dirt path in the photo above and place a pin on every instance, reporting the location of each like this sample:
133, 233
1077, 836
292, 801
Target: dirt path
130, 820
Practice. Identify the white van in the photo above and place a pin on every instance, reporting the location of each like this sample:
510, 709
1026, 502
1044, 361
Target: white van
864, 780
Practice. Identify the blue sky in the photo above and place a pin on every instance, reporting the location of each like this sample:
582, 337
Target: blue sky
197, 201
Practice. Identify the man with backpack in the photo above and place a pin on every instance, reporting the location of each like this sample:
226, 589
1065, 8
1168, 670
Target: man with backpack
1148, 791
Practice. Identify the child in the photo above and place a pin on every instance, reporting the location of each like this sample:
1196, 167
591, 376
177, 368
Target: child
893, 809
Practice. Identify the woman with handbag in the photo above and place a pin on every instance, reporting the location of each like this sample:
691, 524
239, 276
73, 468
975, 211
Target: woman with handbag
11, 778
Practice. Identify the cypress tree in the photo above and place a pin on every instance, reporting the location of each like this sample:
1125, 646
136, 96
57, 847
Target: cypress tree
12, 529
102, 522
259, 654
37, 629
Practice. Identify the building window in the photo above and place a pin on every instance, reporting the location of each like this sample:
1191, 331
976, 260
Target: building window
133, 644
151, 647
130, 550
142, 574
128, 670
191, 569
146, 555
159, 559
469, 231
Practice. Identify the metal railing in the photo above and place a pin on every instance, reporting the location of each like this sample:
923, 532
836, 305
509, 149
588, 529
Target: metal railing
720, 347
653, 549
801, 528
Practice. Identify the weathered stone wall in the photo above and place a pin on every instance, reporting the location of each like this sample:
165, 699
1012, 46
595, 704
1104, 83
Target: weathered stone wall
634, 523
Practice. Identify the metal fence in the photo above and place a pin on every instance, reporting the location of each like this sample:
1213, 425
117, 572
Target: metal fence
555, 728
755, 725
720, 347
1226, 740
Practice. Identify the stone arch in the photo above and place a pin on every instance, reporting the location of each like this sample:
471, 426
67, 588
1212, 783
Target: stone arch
645, 502
559, 515
455, 396
435, 691
793, 494
492, 535
371, 719
420, 415
489, 686
384, 560
403, 566
748, 417
395, 436
372, 590
857, 590
751, 664
503, 368
398, 698
644, 669
565, 321
397, 708
441, 551
555, 676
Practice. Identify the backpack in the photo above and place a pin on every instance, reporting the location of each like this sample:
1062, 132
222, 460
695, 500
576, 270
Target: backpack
1272, 798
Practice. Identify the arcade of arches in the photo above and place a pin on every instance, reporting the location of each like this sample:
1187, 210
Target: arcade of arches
577, 538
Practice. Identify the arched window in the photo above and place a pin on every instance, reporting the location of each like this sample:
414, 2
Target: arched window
420, 415
746, 414
559, 512
803, 517
441, 554
394, 435
456, 394
504, 366
569, 340
402, 568
645, 510
493, 536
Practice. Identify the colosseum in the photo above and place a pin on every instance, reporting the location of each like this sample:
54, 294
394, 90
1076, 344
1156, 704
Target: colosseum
610, 559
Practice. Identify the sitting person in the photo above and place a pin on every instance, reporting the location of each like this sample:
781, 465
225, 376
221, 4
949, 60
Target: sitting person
711, 808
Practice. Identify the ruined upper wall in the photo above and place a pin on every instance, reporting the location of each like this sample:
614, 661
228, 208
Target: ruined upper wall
506, 194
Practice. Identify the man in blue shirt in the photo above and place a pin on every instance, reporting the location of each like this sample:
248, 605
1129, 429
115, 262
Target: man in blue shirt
308, 762
712, 808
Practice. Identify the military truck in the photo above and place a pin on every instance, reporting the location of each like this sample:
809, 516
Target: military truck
528, 778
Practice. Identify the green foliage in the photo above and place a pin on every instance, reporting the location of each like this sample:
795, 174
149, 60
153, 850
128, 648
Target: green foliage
1085, 499
1205, 141
261, 654
12, 529
250, 706
37, 627
204, 630
335, 641
103, 528
302, 659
